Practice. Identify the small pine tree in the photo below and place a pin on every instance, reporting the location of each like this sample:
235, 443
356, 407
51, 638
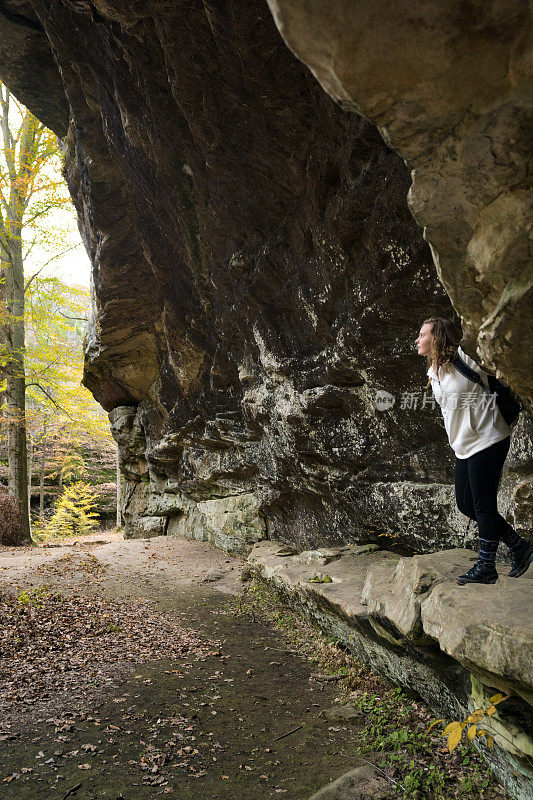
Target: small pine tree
74, 512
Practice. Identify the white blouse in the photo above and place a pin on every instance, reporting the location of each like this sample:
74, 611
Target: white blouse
472, 419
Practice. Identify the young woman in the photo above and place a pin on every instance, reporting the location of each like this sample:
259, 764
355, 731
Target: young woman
480, 438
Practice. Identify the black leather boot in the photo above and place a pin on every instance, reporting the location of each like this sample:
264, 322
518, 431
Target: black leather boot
481, 572
521, 560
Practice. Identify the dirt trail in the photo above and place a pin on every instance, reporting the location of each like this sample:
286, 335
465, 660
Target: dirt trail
243, 720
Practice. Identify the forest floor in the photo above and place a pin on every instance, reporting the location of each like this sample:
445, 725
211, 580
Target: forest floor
136, 669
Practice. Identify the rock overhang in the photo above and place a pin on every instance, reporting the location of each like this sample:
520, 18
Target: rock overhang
257, 274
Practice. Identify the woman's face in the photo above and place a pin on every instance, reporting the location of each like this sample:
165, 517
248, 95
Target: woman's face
425, 338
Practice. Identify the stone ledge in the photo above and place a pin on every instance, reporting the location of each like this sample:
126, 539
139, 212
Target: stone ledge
411, 622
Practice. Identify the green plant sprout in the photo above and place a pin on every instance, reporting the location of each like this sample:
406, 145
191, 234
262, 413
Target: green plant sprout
454, 730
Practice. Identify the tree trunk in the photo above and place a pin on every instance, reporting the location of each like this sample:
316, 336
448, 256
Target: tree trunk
43, 465
30, 472
24, 156
16, 379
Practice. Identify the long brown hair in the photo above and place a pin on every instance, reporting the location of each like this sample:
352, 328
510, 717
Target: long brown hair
444, 345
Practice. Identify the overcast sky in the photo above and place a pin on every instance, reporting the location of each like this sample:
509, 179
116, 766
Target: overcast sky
73, 267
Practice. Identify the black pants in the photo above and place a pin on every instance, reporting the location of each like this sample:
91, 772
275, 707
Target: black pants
476, 489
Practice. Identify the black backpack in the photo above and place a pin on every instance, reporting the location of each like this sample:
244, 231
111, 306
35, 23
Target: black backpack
509, 407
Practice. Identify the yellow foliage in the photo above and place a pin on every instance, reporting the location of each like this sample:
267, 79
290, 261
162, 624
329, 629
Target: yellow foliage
455, 736
55, 315
74, 512
476, 715
454, 730
497, 698
451, 727
434, 723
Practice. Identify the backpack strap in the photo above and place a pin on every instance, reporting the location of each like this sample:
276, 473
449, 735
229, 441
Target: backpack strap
469, 373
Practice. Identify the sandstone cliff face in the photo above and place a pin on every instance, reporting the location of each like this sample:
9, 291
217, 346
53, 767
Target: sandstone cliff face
258, 275
449, 86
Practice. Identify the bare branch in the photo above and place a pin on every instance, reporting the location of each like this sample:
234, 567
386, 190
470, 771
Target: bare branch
50, 398
42, 212
81, 319
28, 251
8, 144
26, 160
28, 282
5, 248
48, 366
57, 255
3, 200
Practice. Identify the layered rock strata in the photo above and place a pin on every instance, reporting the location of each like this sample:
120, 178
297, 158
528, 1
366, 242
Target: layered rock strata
154, 504
409, 620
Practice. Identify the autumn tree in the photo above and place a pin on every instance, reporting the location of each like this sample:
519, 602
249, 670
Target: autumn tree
75, 511
28, 193
68, 427
69, 431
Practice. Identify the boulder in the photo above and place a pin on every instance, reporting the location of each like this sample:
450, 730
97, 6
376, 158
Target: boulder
361, 783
